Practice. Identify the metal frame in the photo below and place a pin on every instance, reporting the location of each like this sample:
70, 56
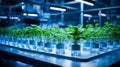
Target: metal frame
45, 4
81, 11
79, 59
97, 9
89, 10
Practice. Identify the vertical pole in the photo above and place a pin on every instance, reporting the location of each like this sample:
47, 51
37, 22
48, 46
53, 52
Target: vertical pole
62, 17
47, 11
81, 14
100, 17
8, 17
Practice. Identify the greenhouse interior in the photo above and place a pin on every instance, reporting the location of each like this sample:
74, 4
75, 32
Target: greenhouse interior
60, 33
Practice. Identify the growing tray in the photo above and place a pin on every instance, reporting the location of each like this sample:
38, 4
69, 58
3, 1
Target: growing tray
82, 58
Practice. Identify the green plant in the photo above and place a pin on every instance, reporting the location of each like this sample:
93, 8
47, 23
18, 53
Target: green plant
87, 33
1, 31
61, 35
48, 35
4, 31
75, 32
110, 30
25, 32
31, 31
15, 32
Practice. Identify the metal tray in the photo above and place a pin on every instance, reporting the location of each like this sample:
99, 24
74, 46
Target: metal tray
85, 55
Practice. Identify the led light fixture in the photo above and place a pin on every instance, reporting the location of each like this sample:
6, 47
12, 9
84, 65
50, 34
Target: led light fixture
29, 14
22, 3
85, 2
58, 9
3, 17
23, 7
35, 15
14, 17
87, 15
25, 14
102, 14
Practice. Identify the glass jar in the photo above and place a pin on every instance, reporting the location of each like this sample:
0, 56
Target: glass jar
94, 47
75, 50
32, 45
60, 48
25, 44
48, 47
40, 46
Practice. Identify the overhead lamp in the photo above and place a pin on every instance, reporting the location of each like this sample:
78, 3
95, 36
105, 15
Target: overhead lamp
102, 14
14, 17
30, 14
22, 3
23, 7
58, 9
25, 14
3, 17
85, 2
87, 15
35, 15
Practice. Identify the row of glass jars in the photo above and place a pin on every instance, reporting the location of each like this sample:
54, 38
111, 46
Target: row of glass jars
34, 44
101, 46
65, 48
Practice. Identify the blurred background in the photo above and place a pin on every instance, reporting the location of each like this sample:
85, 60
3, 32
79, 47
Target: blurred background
51, 13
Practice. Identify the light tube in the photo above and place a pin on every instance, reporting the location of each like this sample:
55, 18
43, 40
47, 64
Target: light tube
3, 17
58, 9
25, 14
23, 7
22, 3
33, 15
14, 17
85, 2
29, 14
102, 14
87, 15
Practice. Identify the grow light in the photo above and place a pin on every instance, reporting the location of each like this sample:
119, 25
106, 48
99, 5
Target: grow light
22, 3
102, 14
33, 15
58, 9
87, 15
14, 17
85, 2
3, 17
25, 14
23, 7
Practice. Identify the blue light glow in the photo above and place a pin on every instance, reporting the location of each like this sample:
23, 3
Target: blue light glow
29, 14
14, 17
87, 15
58, 9
85, 2
3, 17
